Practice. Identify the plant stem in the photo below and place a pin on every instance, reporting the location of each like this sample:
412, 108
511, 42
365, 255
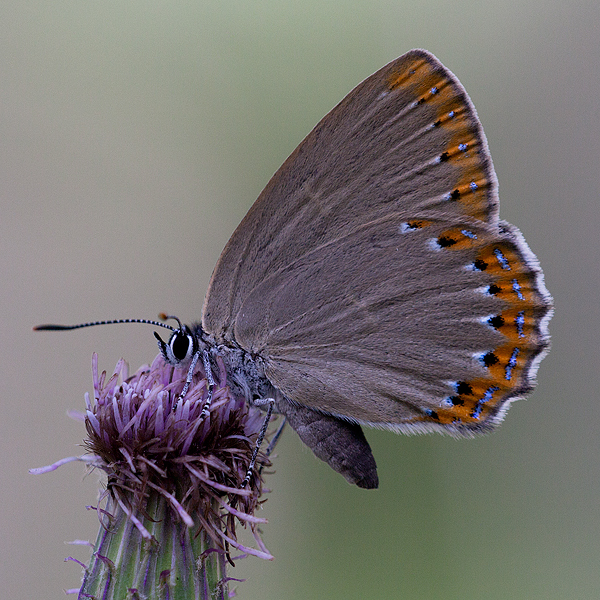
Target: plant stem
160, 558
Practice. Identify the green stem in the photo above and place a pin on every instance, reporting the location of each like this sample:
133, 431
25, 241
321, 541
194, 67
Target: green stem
175, 563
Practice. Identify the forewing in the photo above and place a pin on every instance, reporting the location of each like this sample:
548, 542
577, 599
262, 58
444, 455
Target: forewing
406, 141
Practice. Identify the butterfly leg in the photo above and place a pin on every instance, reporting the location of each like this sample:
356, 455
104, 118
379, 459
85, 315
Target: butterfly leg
261, 437
189, 377
274, 441
275, 437
211, 384
209, 379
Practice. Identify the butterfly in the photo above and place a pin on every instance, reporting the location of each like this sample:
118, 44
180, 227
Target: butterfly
372, 281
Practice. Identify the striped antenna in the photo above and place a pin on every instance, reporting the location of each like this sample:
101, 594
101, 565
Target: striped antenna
52, 327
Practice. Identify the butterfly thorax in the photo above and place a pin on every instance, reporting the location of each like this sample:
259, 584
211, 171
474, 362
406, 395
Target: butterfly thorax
245, 372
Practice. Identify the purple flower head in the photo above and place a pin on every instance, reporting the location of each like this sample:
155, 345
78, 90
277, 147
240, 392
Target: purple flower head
157, 450
148, 441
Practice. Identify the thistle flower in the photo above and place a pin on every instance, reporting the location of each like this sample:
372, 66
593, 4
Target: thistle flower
173, 494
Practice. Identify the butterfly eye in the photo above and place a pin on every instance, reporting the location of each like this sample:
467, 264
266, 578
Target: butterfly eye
180, 347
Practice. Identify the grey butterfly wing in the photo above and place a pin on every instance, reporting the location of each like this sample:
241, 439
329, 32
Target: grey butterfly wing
373, 278
412, 326
407, 139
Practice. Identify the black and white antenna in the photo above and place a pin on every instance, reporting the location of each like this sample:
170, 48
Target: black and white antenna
54, 327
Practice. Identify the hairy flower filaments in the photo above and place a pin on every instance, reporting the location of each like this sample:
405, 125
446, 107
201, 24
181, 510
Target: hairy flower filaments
173, 481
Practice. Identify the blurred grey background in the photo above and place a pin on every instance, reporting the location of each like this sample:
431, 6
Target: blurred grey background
134, 137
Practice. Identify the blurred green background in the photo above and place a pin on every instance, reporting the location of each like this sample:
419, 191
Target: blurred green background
134, 137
